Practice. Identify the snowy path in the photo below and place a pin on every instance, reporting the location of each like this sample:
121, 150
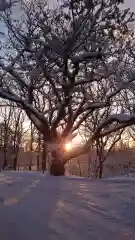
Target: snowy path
37, 207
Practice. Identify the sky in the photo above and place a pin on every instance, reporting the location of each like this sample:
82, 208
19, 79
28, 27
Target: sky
127, 3
130, 4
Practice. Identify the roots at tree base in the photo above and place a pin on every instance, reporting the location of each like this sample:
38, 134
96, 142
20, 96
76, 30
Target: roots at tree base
57, 169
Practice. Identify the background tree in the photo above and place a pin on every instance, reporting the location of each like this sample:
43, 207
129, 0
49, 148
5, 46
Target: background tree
101, 146
18, 130
6, 131
11, 131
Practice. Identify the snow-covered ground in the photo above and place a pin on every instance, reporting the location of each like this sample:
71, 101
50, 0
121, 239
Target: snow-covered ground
34, 206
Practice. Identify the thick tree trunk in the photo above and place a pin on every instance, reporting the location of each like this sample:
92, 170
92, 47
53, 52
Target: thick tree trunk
15, 163
31, 147
30, 166
5, 158
89, 166
79, 165
38, 162
57, 167
100, 169
15, 156
38, 151
44, 155
5, 163
100, 154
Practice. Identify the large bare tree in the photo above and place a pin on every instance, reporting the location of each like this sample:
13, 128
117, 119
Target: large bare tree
55, 55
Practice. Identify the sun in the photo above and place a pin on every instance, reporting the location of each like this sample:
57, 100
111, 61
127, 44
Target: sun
68, 147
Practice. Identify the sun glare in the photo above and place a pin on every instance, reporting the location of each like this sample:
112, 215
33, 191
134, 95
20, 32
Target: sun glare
68, 147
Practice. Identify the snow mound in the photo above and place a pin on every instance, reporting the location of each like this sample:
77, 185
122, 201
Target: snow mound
37, 206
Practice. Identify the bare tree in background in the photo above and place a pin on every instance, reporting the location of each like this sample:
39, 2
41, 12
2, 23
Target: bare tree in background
6, 131
59, 53
41, 152
103, 152
12, 132
101, 146
18, 133
42, 149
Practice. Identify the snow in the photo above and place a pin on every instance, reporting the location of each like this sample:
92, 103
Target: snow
95, 105
36, 206
123, 120
87, 56
122, 117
